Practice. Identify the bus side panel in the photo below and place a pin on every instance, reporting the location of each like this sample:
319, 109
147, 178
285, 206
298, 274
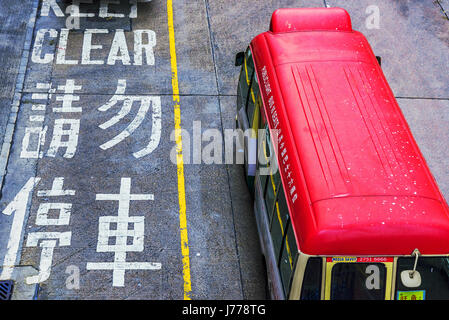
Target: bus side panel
266, 243
296, 190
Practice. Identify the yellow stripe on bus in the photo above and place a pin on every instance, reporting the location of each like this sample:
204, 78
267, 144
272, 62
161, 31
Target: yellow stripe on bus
280, 219
246, 73
252, 96
248, 82
255, 122
179, 158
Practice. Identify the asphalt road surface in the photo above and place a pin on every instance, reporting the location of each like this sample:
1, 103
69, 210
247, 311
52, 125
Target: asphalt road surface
101, 194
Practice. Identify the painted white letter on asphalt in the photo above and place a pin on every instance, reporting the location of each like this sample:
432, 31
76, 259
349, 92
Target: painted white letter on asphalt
36, 55
88, 46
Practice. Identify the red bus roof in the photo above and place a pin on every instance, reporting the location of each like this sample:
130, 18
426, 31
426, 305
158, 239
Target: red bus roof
355, 179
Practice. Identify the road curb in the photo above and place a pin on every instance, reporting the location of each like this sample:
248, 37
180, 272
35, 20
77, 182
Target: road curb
15, 105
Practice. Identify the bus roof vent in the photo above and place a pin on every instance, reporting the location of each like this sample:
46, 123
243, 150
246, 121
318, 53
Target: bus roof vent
307, 19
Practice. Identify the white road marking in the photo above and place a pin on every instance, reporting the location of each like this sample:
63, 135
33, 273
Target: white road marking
43, 85
140, 48
137, 121
38, 107
156, 130
19, 207
56, 189
133, 11
50, 4
58, 141
119, 49
121, 233
39, 96
62, 48
144, 43
79, 14
121, 88
127, 104
48, 245
41, 132
104, 10
35, 118
145, 102
88, 46
36, 55
49, 240
65, 210
67, 98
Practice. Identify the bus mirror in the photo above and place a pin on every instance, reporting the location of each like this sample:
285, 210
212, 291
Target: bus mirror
239, 58
410, 278
379, 60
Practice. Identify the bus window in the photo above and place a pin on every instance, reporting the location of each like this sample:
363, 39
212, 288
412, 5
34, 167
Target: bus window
273, 182
254, 101
264, 157
245, 80
358, 281
279, 219
254, 108
434, 272
311, 284
288, 257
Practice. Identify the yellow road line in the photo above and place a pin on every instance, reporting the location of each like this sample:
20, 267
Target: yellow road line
179, 158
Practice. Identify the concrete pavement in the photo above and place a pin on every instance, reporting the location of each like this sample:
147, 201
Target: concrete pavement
114, 74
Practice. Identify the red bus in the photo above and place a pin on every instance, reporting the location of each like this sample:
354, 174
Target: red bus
351, 209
